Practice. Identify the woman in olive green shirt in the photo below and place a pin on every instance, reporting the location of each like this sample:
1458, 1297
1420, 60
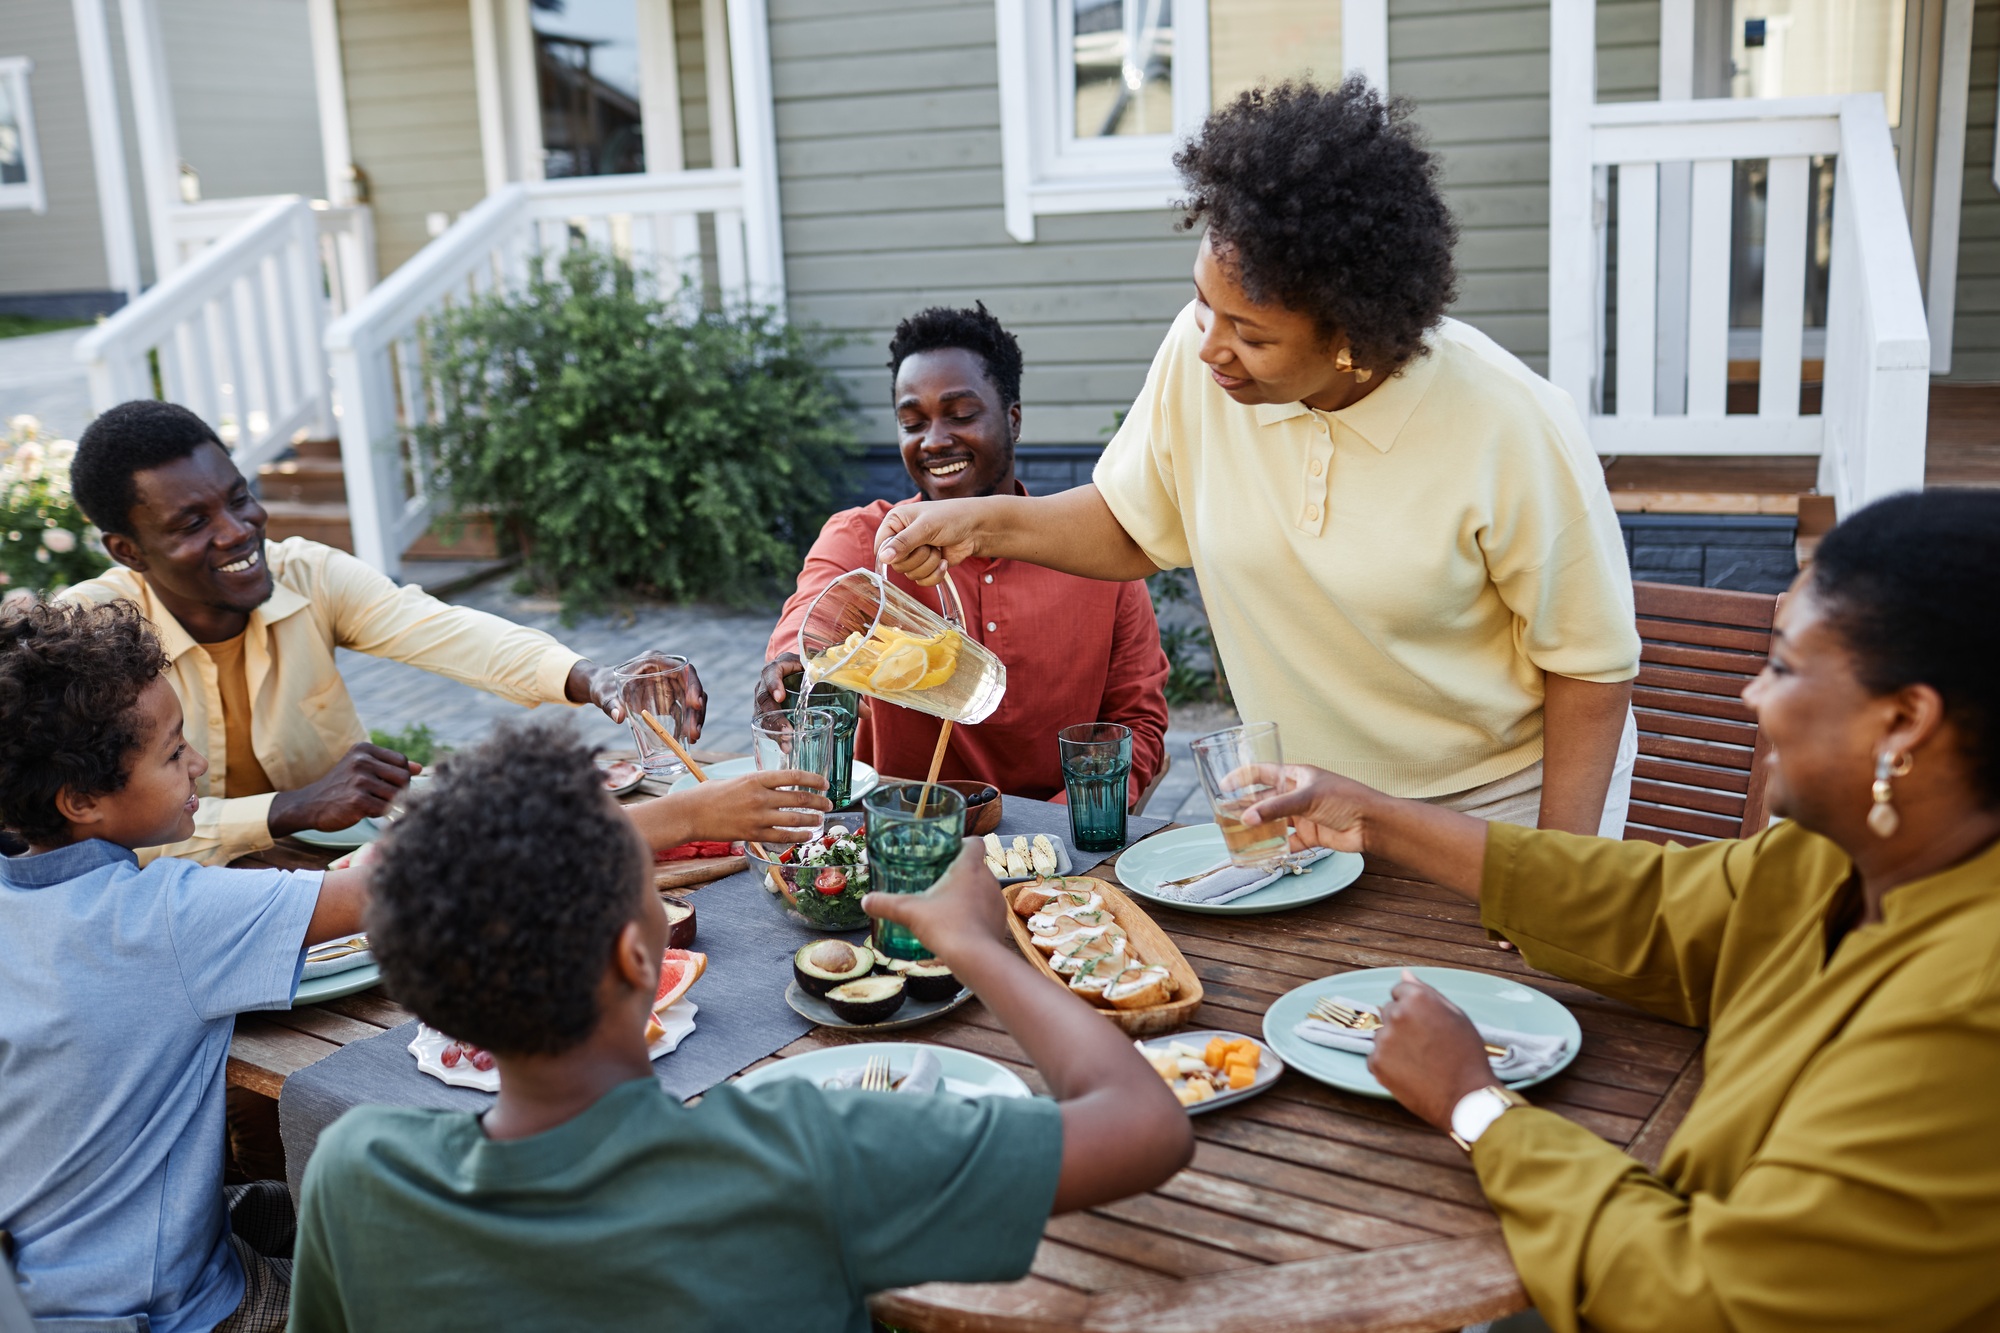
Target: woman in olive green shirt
1840, 1168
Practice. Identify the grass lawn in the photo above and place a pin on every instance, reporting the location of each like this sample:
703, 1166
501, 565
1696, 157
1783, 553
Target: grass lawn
17, 326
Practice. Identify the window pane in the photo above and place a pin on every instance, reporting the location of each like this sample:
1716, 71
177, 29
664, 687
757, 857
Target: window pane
1813, 48
1124, 51
13, 155
587, 63
1268, 41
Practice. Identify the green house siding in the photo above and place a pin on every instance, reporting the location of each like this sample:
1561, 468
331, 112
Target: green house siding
1478, 71
1975, 350
888, 127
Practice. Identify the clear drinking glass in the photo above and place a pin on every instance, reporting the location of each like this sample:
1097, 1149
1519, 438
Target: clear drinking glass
658, 685
1238, 768
1097, 768
845, 705
908, 853
865, 635
790, 738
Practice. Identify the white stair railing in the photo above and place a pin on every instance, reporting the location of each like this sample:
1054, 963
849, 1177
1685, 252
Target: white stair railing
233, 335
346, 239
377, 349
1869, 435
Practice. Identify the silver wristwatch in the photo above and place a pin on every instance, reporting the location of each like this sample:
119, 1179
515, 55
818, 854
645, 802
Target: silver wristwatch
1478, 1109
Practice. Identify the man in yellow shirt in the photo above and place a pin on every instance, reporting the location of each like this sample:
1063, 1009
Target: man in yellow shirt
251, 627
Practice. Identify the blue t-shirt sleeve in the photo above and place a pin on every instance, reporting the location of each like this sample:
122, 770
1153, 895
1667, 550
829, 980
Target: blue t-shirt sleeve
945, 1189
239, 935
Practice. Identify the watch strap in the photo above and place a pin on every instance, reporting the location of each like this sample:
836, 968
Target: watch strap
1478, 1109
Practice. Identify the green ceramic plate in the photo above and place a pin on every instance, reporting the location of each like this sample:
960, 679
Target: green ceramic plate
1180, 852
1485, 998
866, 779
973, 1075
337, 984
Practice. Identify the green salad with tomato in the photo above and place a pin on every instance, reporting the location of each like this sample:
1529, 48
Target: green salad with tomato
832, 876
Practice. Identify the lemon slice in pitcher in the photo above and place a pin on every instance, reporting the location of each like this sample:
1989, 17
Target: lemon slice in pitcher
941, 656
901, 668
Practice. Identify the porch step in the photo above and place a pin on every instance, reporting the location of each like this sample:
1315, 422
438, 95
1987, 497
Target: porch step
305, 480
317, 449
327, 523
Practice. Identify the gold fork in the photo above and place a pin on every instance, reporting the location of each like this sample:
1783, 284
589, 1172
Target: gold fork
875, 1075
1360, 1020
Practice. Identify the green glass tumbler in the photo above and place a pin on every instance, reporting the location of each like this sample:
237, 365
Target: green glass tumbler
1097, 770
845, 705
907, 853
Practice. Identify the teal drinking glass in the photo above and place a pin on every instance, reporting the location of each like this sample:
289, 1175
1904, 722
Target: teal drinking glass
845, 705
1097, 769
908, 853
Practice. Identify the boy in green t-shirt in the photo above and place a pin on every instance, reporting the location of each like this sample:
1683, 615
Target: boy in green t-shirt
514, 908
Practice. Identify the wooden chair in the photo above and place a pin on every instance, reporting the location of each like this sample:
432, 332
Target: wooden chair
1146, 796
1702, 757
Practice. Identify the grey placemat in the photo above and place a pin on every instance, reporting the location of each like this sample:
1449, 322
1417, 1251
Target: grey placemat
743, 1015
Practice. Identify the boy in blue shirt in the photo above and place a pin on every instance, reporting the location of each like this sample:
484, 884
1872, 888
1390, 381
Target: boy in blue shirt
513, 909
119, 987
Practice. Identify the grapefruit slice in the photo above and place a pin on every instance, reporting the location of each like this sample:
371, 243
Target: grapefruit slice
679, 969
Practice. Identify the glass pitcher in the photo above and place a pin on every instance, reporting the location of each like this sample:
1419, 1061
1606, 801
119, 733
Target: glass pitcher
865, 635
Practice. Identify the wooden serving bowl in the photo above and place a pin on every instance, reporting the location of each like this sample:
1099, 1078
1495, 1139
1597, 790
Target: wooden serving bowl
981, 818
1148, 940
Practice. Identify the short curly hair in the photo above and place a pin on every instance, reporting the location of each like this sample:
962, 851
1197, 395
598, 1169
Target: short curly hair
942, 327
1325, 201
70, 680
1908, 584
498, 895
129, 439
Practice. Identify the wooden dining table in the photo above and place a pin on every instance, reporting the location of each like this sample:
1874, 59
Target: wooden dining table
1305, 1207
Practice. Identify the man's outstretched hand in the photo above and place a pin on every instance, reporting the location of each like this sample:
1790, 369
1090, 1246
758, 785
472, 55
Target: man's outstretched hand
593, 684
366, 781
959, 914
771, 692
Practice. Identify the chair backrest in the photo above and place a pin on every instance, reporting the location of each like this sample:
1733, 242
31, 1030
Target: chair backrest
1701, 769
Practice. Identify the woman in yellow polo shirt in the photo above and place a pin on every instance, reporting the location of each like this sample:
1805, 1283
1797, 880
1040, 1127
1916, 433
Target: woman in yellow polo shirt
1840, 1168
1402, 537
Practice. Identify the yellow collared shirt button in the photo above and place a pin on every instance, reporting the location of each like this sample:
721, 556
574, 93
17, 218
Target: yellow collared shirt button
1312, 513
1318, 467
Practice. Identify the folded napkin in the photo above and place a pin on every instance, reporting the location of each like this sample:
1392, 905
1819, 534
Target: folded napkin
1528, 1055
343, 955
926, 1075
1232, 882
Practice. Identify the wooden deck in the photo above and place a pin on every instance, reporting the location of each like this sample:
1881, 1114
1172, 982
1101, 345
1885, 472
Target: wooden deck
1963, 449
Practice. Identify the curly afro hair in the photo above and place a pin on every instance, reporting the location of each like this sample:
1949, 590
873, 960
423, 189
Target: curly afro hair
1908, 584
974, 331
70, 680
129, 439
497, 897
1325, 201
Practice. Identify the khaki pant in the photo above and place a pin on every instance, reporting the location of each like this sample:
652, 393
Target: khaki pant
1517, 798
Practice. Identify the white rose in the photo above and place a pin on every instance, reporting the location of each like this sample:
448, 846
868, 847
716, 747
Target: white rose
60, 540
28, 460
25, 425
61, 452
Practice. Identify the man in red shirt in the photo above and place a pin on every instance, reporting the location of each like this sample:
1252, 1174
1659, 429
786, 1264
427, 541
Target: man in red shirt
1076, 650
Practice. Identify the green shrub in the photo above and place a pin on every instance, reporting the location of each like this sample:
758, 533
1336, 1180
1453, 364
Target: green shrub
416, 742
1194, 667
625, 439
46, 543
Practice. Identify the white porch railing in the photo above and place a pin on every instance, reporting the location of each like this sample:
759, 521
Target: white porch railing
233, 335
1869, 436
346, 239
377, 348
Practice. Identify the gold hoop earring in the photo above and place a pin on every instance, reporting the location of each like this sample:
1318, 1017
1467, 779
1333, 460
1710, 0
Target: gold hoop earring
1883, 821
1343, 361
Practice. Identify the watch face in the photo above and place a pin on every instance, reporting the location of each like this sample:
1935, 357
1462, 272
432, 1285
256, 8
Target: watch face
1474, 1112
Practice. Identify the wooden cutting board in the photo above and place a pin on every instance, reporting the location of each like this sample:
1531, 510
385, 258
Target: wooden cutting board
687, 874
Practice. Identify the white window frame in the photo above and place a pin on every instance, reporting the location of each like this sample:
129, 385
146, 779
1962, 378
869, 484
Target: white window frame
1046, 169
30, 194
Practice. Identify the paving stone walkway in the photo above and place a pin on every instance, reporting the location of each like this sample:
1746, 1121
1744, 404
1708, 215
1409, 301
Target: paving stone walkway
725, 644
39, 375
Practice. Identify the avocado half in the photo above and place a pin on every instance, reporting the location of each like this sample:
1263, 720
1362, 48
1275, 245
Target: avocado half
931, 980
869, 1000
820, 966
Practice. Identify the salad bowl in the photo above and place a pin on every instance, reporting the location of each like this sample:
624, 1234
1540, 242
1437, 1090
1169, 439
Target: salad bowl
819, 883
